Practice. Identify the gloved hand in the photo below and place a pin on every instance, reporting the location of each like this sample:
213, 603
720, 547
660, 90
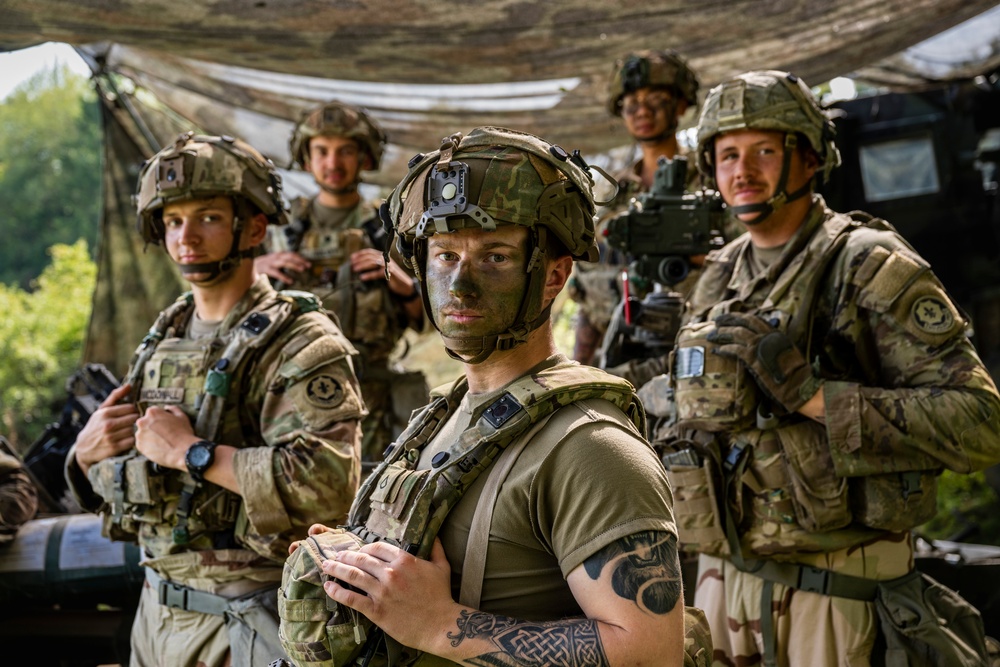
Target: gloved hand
769, 355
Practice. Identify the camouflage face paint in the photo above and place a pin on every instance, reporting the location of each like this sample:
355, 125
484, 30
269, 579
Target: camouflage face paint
476, 280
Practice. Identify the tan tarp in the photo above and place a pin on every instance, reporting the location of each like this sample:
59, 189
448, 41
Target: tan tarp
424, 69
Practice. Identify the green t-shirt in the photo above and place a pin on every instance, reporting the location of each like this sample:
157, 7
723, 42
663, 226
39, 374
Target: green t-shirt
566, 497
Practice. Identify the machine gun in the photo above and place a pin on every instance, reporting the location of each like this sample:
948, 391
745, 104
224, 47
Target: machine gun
660, 232
86, 388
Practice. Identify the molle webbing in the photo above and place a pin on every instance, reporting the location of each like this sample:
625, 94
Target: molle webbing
255, 331
524, 403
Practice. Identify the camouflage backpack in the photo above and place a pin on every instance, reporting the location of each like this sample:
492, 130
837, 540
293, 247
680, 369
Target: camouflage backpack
407, 507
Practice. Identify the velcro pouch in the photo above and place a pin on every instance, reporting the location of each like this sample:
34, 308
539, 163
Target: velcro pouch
713, 393
315, 631
696, 506
894, 501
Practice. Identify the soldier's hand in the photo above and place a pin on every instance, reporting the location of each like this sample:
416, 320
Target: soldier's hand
275, 265
778, 367
109, 431
164, 435
400, 593
369, 264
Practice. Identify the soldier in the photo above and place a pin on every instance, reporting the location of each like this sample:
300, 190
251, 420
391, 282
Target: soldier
333, 247
237, 426
18, 497
650, 91
822, 380
550, 561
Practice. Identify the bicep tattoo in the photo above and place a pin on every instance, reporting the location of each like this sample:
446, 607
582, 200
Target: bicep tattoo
569, 643
644, 568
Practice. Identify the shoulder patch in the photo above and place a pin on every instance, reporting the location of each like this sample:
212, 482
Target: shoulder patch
325, 391
926, 311
327, 395
932, 315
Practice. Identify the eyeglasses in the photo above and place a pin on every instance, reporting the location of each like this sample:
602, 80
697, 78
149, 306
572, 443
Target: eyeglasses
652, 103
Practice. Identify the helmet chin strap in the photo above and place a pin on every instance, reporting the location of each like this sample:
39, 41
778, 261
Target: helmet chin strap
224, 266
780, 197
477, 349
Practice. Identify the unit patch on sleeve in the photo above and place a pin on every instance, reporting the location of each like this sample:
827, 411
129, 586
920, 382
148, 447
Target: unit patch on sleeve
325, 391
932, 315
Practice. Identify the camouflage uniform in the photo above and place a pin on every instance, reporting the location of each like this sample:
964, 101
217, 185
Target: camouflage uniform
905, 396
370, 315
18, 498
273, 379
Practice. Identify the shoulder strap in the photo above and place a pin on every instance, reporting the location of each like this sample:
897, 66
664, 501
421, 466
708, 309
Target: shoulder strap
800, 327
563, 423
474, 568
526, 402
255, 330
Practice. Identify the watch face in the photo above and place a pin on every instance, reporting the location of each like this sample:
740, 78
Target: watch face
199, 456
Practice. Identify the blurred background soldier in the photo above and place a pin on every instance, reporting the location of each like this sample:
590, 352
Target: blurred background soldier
333, 247
823, 378
237, 426
650, 91
18, 497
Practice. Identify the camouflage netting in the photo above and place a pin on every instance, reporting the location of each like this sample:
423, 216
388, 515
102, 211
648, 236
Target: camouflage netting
424, 70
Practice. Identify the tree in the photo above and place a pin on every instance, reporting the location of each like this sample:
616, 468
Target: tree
41, 338
50, 171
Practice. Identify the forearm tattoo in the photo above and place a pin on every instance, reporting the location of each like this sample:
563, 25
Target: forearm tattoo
569, 643
645, 569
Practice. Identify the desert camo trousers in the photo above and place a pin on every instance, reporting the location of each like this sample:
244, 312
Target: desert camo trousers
811, 629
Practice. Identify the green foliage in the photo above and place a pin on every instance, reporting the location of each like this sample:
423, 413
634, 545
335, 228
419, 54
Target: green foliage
967, 510
50, 170
41, 339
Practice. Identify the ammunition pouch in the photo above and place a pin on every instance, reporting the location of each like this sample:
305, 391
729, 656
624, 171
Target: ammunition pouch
713, 393
819, 497
138, 492
696, 480
396, 501
894, 501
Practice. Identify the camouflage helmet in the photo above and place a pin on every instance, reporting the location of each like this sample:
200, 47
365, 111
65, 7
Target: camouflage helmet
765, 100
205, 166
495, 176
651, 69
338, 120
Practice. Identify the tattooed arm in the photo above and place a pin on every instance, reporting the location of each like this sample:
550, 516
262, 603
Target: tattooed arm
629, 592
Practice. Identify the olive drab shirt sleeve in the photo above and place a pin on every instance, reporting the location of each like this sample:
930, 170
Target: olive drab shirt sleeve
927, 401
311, 408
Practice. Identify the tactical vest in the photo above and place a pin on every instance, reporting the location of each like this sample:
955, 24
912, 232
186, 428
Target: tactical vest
167, 509
367, 314
771, 480
405, 506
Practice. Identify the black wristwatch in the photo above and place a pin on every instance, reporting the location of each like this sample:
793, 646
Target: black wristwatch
199, 458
